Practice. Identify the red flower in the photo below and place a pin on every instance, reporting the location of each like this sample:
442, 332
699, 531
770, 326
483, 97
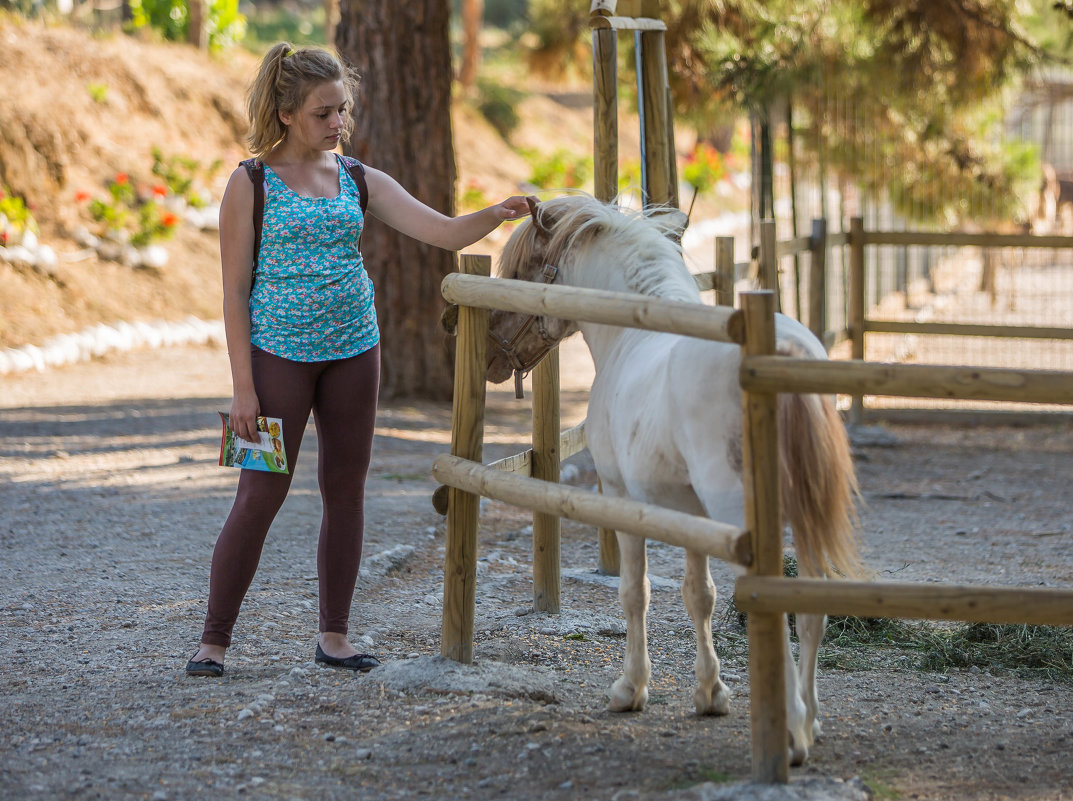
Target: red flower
3, 237
81, 196
122, 179
168, 219
159, 190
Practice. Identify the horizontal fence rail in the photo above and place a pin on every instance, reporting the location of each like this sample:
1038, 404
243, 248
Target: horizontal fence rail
571, 443
966, 329
718, 323
914, 600
957, 239
701, 534
785, 374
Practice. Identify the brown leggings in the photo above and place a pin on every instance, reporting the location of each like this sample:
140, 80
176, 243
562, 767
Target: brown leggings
342, 396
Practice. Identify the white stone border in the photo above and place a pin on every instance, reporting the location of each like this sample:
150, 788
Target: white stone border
100, 339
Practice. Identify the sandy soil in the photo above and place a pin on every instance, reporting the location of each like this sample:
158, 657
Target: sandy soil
111, 503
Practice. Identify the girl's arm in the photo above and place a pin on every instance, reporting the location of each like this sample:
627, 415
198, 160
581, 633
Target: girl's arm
236, 256
389, 202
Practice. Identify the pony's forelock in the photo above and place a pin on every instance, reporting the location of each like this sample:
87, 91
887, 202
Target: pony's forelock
650, 261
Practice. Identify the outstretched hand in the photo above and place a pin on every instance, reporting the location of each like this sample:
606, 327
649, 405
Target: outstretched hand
513, 208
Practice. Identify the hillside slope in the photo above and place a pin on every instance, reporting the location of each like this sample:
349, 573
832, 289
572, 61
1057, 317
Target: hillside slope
77, 110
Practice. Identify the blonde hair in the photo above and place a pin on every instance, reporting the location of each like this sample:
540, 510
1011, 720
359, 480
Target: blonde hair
283, 82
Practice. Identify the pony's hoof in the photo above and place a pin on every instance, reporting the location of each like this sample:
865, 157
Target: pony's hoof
717, 704
798, 750
627, 698
798, 756
817, 731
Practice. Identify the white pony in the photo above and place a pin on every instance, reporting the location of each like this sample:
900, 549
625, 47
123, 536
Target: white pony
664, 426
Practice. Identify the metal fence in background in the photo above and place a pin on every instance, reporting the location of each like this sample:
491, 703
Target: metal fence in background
969, 285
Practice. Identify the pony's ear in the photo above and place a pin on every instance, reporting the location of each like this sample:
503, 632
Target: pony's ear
534, 212
670, 221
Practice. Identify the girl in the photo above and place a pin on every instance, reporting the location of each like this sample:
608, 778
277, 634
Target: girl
301, 329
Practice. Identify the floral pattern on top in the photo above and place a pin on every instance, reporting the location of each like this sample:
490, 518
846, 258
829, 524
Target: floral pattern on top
312, 299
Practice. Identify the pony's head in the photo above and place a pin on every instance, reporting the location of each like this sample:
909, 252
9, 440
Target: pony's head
577, 240
519, 341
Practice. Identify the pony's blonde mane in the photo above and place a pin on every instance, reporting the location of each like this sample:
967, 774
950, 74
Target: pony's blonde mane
636, 245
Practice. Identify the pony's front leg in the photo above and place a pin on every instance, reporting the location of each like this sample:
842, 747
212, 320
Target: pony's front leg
630, 691
810, 630
698, 592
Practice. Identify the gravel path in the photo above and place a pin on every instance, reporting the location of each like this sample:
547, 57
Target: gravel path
110, 501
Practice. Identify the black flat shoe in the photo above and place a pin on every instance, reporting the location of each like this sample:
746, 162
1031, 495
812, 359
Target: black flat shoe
360, 662
204, 667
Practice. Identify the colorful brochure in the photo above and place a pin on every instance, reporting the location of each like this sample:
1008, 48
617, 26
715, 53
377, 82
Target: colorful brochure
267, 455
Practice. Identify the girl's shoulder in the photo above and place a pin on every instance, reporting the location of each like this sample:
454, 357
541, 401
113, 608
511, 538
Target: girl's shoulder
350, 163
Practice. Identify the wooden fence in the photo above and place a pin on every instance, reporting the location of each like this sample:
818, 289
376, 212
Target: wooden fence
811, 301
764, 593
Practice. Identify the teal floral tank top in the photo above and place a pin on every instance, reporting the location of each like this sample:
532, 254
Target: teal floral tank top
311, 298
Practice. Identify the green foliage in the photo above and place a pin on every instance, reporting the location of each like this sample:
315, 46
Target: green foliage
180, 175
497, 104
703, 169
561, 31
171, 18
629, 175
268, 24
559, 170
138, 216
473, 197
504, 14
15, 217
1022, 649
1027, 651
97, 91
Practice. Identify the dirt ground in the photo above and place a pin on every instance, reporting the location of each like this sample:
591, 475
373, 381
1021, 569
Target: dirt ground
112, 501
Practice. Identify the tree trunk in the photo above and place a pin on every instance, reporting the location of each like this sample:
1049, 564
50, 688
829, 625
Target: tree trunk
331, 20
403, 127
197, 31
472, 18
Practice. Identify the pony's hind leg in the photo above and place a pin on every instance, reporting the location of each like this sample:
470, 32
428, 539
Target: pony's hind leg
698, 593
810, 630
630, 692
797, 718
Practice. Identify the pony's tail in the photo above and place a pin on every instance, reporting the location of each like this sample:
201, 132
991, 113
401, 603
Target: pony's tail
818, 486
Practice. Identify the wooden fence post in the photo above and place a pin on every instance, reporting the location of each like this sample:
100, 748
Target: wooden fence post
610, 556
605, 180
547, 529
659, 152
769, 261
767, 638
856, 306
605, 113
817, 279
723, 283
467, 442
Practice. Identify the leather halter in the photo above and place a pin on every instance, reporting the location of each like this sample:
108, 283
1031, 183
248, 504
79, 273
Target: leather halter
509, 347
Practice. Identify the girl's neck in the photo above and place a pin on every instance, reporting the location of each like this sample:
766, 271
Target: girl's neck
284, 155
